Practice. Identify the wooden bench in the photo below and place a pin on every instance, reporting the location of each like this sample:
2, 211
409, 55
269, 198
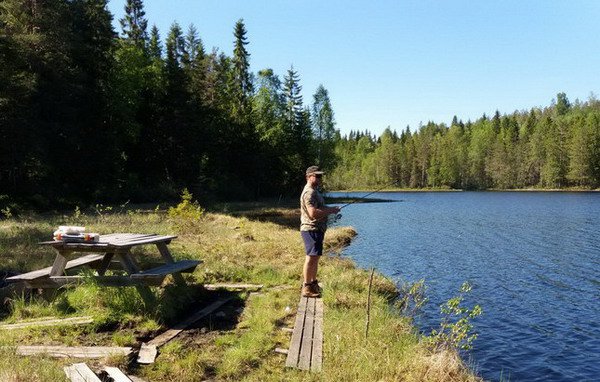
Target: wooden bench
166, 269
306, 346
45, 272
150, 277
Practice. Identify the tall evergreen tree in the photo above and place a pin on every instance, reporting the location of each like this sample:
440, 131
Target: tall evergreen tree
134, 23
324, 127
154, 44
293, 100
242, 80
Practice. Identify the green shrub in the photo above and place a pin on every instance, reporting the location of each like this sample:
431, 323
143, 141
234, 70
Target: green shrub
188, 209
456, 329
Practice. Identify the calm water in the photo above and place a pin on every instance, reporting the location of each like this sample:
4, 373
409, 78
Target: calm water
533, 259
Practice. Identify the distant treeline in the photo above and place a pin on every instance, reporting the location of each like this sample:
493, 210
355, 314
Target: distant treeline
89, 115
552, 147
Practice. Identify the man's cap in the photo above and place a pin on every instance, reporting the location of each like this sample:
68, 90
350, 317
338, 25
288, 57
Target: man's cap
314, 170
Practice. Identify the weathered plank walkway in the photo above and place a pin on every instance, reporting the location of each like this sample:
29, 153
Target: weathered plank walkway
149, 350
306, 346
80, 372
49, 322
74, 352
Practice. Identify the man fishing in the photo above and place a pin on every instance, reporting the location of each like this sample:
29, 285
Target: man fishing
313, 224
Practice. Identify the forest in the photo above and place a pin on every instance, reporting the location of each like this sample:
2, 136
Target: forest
555, 147
89, 113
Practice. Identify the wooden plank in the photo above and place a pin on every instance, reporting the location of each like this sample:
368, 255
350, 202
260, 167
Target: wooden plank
181, 326
131, 267
316, 362
84, 247
128, 262
80, 372
52, 322
124, 238
166, 255
112, 281
147, 354
75, 352
135, 379
146, 349
58, 268
307, 336
167, 269
116, 374
142, 241
232, 286
105, 263
84, 260
296, 341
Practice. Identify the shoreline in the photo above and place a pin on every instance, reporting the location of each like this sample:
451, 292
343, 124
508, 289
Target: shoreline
434, 190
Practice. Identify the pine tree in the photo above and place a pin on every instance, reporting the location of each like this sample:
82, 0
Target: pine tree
324, 127
242, 80
293, 100
154, 45
193, 51
134, 23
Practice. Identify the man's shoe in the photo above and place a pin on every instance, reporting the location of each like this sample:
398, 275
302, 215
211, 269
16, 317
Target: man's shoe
308, 290
317, 286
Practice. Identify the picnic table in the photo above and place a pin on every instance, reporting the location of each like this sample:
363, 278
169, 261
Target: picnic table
99, 256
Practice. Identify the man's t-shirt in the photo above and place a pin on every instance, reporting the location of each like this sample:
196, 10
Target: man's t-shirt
311, 197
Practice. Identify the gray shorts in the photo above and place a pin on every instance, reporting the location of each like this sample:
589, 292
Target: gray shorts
313, 242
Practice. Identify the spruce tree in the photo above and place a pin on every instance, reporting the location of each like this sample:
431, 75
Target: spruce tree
154, 45
293, 100
134, 23
324, 126
242, 80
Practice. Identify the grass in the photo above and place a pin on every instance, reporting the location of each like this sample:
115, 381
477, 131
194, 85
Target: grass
248, 243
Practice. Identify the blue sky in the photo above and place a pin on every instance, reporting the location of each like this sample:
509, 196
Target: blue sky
399, 63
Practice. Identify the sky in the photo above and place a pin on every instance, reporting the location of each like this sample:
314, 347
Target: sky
405, 63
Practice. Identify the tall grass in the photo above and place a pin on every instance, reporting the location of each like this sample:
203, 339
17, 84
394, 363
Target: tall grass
259, 247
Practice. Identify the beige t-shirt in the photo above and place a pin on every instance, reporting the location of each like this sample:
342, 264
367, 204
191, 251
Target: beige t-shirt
311, 197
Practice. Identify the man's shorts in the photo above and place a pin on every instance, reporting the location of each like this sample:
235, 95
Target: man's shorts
313, 242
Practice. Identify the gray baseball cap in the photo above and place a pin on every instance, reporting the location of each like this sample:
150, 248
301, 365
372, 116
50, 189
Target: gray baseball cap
314, 170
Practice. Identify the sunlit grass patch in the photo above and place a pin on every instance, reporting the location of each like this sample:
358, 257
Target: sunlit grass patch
28, 369
257, 249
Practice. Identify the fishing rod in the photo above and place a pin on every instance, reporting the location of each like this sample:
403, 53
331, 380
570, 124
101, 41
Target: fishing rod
339, 216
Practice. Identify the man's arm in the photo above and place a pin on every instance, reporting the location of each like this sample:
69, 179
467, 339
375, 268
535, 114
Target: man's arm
321, 213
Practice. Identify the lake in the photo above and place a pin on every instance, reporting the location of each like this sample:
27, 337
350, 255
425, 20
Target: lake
532, 258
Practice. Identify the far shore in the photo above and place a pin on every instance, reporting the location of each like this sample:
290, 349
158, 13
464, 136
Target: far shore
461, 190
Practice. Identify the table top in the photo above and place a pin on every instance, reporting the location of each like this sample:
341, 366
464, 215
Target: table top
114, 240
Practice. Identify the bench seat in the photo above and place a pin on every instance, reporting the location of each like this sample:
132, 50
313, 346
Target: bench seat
45, 272
166, 269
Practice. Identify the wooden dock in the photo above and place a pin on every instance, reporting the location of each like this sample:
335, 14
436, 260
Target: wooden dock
306, 346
